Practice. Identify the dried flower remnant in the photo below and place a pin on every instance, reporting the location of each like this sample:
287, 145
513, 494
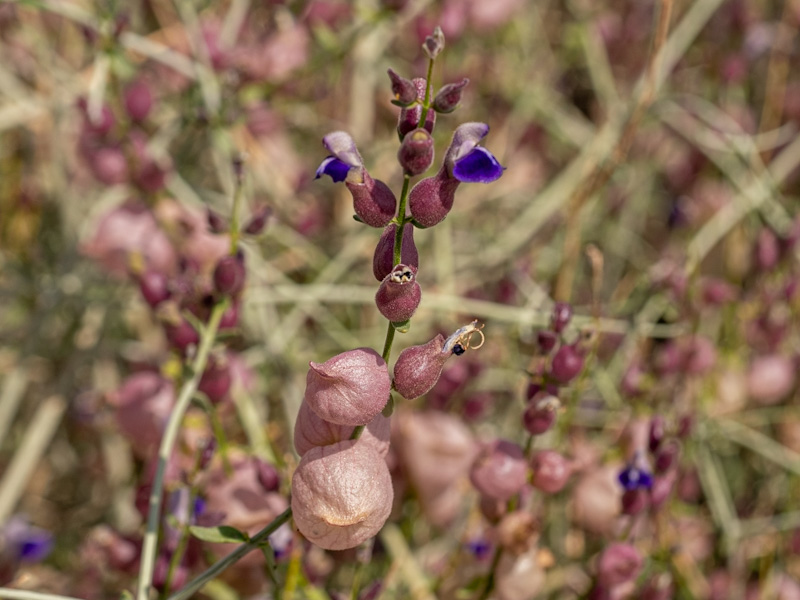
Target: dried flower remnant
399, 294
341, 494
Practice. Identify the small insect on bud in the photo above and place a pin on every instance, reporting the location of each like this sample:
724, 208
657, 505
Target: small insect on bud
399, 294
416, 152
404, 90
418, 367
449, 97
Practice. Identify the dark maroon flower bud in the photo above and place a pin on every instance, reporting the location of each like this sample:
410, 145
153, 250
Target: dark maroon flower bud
500, 470
448, 98
408, 120
634, 501
373, 201
666, 456
567, 363
138, 100
717, 292
399, 294
434, 43
349, 389
268, 475
657, 431
534, 387
618, 563
154, 287
551, 471
229, 275
207, 454
431, 199
404, 90
216, 222
540, 415
767, 250
547, 341
562, 315
216, 380
182, 335
258, 220
416, 152
383, 260
418, 367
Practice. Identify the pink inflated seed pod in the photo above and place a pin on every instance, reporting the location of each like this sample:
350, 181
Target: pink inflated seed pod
383, 260
350, 388
311, 431
341, 494
399, 294
500, 471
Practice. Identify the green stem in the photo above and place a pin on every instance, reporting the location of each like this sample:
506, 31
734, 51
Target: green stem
426, 104
387, 345
490, 576
198, 582
208, 336
177, 556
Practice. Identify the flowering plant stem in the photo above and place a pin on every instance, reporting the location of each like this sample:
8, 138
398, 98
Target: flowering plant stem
257, 540
207, 337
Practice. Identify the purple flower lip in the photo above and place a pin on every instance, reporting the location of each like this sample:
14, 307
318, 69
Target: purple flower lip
478, 166
333, 167
633, 478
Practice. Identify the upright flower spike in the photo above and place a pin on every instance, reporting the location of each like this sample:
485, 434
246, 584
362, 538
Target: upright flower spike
373, 201
432, 198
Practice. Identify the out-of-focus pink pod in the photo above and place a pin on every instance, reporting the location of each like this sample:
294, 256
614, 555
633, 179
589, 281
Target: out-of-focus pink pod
618, 563
519, 577
436, 450
349, 389
341, 494
597, 499
399, 294
126, 231
311, 431
500, 471
383, 260
143, 405
551, 471
770, 378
